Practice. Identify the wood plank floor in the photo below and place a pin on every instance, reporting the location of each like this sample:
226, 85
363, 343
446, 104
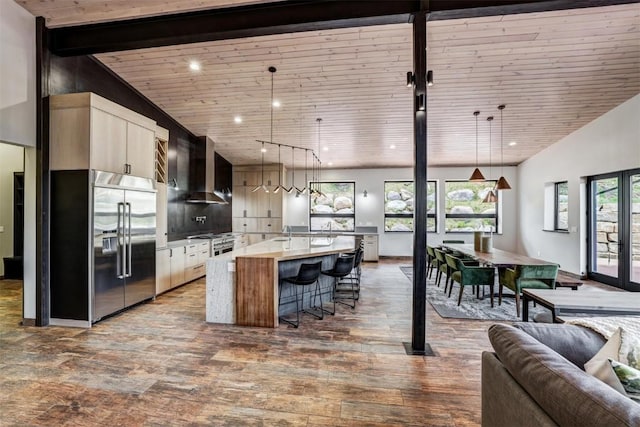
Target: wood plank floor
161, 364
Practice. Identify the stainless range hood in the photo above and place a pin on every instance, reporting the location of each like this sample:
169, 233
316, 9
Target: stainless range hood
202, 174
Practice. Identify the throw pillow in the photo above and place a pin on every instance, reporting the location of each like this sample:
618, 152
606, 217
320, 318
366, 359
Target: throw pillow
629, 349
599, 365
629, 378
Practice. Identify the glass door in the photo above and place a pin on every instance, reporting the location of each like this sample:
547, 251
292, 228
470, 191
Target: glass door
633, 237
614, 237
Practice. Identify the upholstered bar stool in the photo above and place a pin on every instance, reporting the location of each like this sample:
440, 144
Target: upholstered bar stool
308, 274
341, 269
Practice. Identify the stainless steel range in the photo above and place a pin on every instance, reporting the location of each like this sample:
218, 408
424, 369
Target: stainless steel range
220, 243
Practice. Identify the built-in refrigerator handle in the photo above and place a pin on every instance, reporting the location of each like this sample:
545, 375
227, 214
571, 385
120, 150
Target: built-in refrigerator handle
121, 242
128, 270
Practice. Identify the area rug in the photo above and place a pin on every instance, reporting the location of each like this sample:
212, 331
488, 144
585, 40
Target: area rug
470, 307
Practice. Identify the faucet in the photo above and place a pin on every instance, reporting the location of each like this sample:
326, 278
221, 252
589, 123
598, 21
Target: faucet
287, 229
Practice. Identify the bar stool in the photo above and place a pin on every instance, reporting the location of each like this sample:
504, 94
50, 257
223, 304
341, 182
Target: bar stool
307, 275
341, 269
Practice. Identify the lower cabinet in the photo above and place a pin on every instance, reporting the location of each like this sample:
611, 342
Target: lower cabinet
163, 270
181, 264
177, 265
370, 248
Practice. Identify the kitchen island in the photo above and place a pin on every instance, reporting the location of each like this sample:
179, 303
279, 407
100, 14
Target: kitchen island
243, 285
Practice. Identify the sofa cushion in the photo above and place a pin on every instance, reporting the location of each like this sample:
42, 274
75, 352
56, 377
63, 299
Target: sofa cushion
562, 339
600, 367
629, 378
570, 396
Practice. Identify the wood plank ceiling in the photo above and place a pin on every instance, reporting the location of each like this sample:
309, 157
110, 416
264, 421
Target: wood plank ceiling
555, 71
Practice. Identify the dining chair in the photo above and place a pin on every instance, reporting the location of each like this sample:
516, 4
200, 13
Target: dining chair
468, 275
526, 276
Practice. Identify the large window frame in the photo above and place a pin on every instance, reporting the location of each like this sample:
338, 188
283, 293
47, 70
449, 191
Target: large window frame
561, 188
324, 188
478, 196
432, 211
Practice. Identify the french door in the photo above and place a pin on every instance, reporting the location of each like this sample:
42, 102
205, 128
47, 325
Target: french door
614, 229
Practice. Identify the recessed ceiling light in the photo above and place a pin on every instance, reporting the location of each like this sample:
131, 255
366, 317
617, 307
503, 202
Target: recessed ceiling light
512, 143
194, 66
392, 146
330, 163
237, 119
276, 103
325, 148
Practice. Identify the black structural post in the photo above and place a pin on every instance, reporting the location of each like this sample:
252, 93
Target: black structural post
418, 346
42, 174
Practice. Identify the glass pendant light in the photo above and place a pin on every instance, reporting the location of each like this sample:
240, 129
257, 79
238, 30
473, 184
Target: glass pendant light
476, 176
502, 181
491, 196
293, 174
279, 186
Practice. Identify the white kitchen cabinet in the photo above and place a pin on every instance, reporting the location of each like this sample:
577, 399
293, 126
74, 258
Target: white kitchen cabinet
108, 142
141, 150
163, 270
161, 215
177, 263
91, 132
370, 248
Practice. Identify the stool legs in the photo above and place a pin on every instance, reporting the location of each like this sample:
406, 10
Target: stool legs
290, 322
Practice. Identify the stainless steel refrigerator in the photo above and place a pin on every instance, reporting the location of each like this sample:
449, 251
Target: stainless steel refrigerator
120, 244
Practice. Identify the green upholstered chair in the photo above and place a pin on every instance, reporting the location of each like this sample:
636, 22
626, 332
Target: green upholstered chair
469, 275
432, 262
441, 266
526, 276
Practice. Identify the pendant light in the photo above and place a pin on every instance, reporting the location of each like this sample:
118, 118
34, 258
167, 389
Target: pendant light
502, 181
491, 195
319, 166
272, 70
298, 190
261, 186
306, 155
476, 176
293, 173
279, 187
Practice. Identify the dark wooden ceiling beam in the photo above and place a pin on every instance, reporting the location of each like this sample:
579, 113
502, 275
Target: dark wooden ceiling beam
227, 23
279, 18
456, 9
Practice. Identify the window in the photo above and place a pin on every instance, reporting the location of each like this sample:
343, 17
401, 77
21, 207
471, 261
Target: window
334, 209
464, 209
398, 206
556, 206
561, 204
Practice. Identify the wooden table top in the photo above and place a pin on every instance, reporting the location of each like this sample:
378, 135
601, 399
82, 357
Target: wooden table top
497, 257
587, 299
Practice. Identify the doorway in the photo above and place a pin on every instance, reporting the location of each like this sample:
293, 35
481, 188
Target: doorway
614, 229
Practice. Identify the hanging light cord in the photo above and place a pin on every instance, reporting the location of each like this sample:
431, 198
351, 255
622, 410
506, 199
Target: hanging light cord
501, 145
476, 138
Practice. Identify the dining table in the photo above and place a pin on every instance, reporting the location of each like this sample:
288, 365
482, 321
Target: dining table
497, 257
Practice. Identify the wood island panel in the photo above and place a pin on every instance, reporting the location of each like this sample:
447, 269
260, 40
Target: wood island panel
256, 292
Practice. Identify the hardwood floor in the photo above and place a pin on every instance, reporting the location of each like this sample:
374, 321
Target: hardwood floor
161, 364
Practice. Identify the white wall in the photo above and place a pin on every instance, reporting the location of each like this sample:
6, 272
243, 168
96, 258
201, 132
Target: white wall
18, 121
11, 160
370, 210
17, 75
609, 143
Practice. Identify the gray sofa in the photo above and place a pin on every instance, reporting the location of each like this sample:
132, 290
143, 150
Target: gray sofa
535, 377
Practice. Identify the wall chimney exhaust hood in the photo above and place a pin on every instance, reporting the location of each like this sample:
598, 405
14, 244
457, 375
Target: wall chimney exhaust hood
202, 173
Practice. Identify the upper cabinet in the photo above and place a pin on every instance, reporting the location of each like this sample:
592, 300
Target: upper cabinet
91, 132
